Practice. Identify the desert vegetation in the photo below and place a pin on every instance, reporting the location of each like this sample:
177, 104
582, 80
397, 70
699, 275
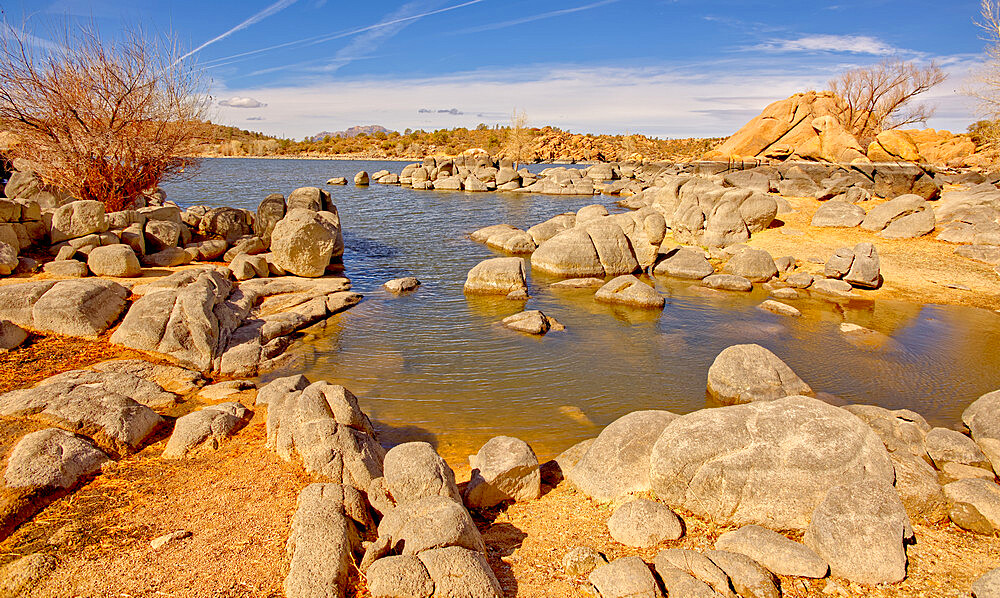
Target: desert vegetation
102, 119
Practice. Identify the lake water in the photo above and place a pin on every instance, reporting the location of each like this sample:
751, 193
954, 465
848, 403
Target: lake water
434, 365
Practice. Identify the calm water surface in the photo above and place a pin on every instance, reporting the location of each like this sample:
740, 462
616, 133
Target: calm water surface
435, 365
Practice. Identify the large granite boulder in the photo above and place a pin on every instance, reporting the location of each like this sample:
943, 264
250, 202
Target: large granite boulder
780, 555
226, 223
271, 210
304, 241
210, 425
629, 290
77, 219
51, 458
84, 308
414, 470
617, 462
983, 419
323, 539
570, 253
330, 433
504, 469
114, 260
748, 373
497, 276
627, 577
685, 262
859, 529
838, 214
769, 463
756, 265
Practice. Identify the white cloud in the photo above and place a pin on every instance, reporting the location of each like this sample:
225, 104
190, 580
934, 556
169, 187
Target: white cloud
707, 99
244, 102
851, 44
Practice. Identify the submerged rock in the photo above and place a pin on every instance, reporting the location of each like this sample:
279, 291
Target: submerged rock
748, 373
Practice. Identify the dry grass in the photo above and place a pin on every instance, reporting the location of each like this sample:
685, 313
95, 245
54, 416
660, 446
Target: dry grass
42, 356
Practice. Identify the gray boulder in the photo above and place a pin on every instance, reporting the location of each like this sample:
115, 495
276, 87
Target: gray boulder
12, 336
685, 262
768, 462
170, 378
114, 260
627, 577
725, 226
617, 462
948, 446
531, 322
728, 282
777, 553
983, 419
303, 242
756, 265
644, 523
210, 425
279, 387
402, 285
582, 560
496, 276
838, 214
697, 566
424, 524
169, 258
77, 219
884, 214
53, 459
271, 209
918, 487
570, 253
910, 226
748, 373
66, 268
458, 571
8, 259
629, 290
226, 223
865, 269
361, 179
84, 308
504, 469
395, 576
160, 235
308, 198
681, 583
832, 288
330, 433
758, 211
323, 539
859, 529
414, 470
749, 578
982, 494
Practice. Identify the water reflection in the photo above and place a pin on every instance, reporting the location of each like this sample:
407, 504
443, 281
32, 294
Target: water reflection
434, 363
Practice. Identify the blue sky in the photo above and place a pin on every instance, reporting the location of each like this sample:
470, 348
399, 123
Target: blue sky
668, 68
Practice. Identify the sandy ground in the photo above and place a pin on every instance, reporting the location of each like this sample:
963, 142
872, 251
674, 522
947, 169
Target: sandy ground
238, 503
915, 270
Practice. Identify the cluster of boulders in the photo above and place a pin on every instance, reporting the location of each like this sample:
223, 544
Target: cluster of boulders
774, 459
400, 508
87, 418
810, 126
300, 236
591, 245
479, 172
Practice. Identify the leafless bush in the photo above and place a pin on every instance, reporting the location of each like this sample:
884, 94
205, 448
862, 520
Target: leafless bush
104, 121
518, 139
879, 97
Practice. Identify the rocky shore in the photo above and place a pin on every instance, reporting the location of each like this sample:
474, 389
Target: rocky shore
774, 492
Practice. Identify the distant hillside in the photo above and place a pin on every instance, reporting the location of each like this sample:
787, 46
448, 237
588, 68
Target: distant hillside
369, 130
548, 144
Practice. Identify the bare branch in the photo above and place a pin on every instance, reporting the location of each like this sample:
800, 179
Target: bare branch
104, 121
879, 97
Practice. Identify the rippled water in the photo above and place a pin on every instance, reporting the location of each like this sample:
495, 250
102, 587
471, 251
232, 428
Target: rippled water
435, 365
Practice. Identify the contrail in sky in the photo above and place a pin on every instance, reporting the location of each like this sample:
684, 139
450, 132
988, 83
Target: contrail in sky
329, 37
277, 7
538, 17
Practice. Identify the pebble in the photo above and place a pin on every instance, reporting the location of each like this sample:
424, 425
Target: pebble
180, 534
